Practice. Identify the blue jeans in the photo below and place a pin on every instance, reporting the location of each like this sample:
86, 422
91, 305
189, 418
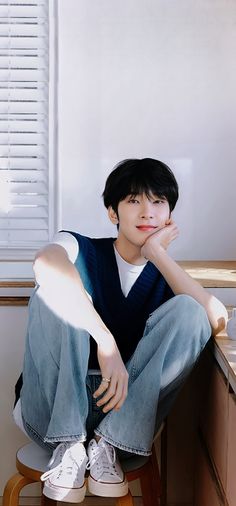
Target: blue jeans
56, 397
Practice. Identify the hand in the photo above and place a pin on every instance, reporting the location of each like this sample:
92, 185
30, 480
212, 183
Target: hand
113, 368
160, 239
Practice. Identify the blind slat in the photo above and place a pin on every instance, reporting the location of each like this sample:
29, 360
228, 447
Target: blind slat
28, 187
23, 30
22, 138
24, 2
22, 94
22, 126
28, 200
32, 76
19, 164
12, 61
8, 237
22, 150
25, 212
24, 107
28, 11
21, 223
22, 44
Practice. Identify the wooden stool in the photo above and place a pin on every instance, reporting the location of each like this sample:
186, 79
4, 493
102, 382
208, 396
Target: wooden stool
32, 460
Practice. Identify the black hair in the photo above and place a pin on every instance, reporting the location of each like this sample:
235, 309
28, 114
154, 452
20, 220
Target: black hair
135, 176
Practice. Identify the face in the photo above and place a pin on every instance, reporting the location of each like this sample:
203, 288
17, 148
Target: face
139, 216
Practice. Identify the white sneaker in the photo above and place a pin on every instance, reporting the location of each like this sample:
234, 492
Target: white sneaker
65, 479
106, 476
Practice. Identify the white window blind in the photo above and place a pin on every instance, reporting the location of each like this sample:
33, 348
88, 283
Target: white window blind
24, 210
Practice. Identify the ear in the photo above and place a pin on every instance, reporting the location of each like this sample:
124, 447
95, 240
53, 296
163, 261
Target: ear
113, 216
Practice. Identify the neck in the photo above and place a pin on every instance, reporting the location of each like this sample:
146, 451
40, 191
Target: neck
129, 252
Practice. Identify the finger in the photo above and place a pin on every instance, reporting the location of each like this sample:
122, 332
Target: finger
122, 400
117, 401
118, 381
115, 397
110, 392
172, 227
176, 232
104, 385
120, 395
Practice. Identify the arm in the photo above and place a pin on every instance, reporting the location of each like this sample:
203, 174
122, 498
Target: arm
180, 282
62, 289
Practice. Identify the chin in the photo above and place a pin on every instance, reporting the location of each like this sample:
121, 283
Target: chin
139, 244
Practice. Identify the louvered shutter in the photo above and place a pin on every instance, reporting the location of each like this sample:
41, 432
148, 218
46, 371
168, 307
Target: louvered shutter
24, 213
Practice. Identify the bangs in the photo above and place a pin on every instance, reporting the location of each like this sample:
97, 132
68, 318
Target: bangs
147, 185
147, 190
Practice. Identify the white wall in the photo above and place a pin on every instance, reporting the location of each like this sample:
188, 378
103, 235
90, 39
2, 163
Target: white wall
13, 322
150, 78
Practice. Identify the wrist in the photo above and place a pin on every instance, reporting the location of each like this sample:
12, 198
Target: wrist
154, 253
103, 337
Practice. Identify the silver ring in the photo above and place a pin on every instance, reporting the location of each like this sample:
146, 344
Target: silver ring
106, 380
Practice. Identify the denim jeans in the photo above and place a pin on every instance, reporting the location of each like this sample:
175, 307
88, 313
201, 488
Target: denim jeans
57, 402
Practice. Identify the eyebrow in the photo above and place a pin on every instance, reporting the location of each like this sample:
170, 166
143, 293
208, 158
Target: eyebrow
160, 197
155, 197
148, 195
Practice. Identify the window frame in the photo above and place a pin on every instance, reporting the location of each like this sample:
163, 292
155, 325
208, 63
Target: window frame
16, 263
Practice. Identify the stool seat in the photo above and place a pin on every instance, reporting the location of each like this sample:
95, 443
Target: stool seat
34, 457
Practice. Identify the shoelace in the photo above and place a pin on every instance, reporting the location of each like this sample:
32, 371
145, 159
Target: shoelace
66, 462
107, 454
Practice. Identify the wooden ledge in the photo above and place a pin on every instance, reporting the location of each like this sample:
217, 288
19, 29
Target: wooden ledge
14, 301
17, 284
212, 274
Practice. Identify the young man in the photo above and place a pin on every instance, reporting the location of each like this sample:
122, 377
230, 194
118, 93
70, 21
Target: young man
115, 326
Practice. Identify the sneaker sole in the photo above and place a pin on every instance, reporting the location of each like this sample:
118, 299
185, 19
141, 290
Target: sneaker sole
107, 489
64, 494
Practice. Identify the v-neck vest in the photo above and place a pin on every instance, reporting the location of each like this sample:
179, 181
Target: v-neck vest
125, 317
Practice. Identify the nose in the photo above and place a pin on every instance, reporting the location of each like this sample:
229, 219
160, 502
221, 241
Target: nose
146, 211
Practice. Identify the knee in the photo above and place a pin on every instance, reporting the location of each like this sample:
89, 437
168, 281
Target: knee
193, 315
189, 307
186, 302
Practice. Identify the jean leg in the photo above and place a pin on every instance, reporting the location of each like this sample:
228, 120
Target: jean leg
173, 339
53, 396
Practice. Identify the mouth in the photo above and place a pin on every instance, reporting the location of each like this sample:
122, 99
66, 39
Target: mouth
146, 228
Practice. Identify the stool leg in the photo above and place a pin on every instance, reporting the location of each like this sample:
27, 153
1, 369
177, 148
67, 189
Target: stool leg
126, 500
156, 481
164, 465
146, 482
13, 488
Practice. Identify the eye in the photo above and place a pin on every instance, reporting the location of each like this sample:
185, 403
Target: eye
132, 200
159, 201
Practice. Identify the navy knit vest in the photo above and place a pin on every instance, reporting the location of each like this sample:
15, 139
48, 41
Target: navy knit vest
125, 317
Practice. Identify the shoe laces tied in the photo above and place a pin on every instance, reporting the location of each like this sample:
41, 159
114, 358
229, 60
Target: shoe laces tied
104, 453
67, 462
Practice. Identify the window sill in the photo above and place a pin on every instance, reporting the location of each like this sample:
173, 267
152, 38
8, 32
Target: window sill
17, 278
211, 274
